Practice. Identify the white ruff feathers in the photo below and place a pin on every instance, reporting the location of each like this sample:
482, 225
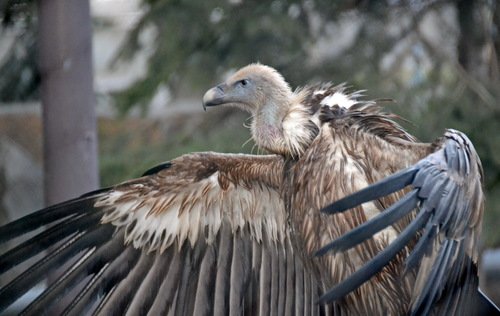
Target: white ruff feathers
297, 133
338, 98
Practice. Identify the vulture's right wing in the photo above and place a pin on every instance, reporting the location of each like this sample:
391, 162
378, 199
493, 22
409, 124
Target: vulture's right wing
204, 234
446, 191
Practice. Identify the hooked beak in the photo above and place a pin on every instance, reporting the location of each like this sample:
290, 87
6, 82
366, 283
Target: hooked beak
214, 96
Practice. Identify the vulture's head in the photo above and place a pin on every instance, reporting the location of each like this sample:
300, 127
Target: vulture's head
281, 124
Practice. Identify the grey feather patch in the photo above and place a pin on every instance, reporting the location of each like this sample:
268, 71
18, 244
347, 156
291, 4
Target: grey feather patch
151, 283
206, 281
103, 281
168, 288
222, 285
118, 301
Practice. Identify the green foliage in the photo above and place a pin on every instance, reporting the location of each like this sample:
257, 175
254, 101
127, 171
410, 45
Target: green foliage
19, 80
197, 41
153, 143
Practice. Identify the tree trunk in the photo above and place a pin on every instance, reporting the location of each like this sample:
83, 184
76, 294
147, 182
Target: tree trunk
472, 38
70, 138
496, 42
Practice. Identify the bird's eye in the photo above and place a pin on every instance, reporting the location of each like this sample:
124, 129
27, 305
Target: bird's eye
243, 82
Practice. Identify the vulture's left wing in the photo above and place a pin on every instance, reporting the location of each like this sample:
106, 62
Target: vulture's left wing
204, 234
446, 194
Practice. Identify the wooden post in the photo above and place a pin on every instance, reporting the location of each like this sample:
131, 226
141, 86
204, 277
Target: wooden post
68, 100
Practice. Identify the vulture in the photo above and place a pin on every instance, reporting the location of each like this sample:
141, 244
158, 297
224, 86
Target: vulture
346, 214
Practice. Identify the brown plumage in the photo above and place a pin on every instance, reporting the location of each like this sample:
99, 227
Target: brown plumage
211, 233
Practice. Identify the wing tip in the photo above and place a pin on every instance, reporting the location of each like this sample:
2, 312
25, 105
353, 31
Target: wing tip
156, 169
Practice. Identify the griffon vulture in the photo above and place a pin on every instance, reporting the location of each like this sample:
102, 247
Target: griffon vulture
219, 234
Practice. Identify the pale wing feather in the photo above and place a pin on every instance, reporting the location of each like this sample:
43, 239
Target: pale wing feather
182, 214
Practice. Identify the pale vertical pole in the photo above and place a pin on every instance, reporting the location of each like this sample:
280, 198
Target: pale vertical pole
68, 100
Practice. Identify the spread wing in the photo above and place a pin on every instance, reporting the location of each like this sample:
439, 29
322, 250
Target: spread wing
445, 194
204, 234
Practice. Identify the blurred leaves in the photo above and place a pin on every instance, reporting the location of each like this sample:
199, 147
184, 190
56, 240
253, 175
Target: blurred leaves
166, 140
198, 41
20, 78
15, 10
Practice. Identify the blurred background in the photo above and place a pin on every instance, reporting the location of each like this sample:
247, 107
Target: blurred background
153, 59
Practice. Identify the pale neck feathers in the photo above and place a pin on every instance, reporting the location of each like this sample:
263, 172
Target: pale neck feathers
284, 125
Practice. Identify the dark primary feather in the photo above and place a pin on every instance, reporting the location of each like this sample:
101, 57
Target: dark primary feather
42, 241
368, 229
93, 263
120, 298
45, 216
445, 195
377, 263
384, 187
39, 271
157, 168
